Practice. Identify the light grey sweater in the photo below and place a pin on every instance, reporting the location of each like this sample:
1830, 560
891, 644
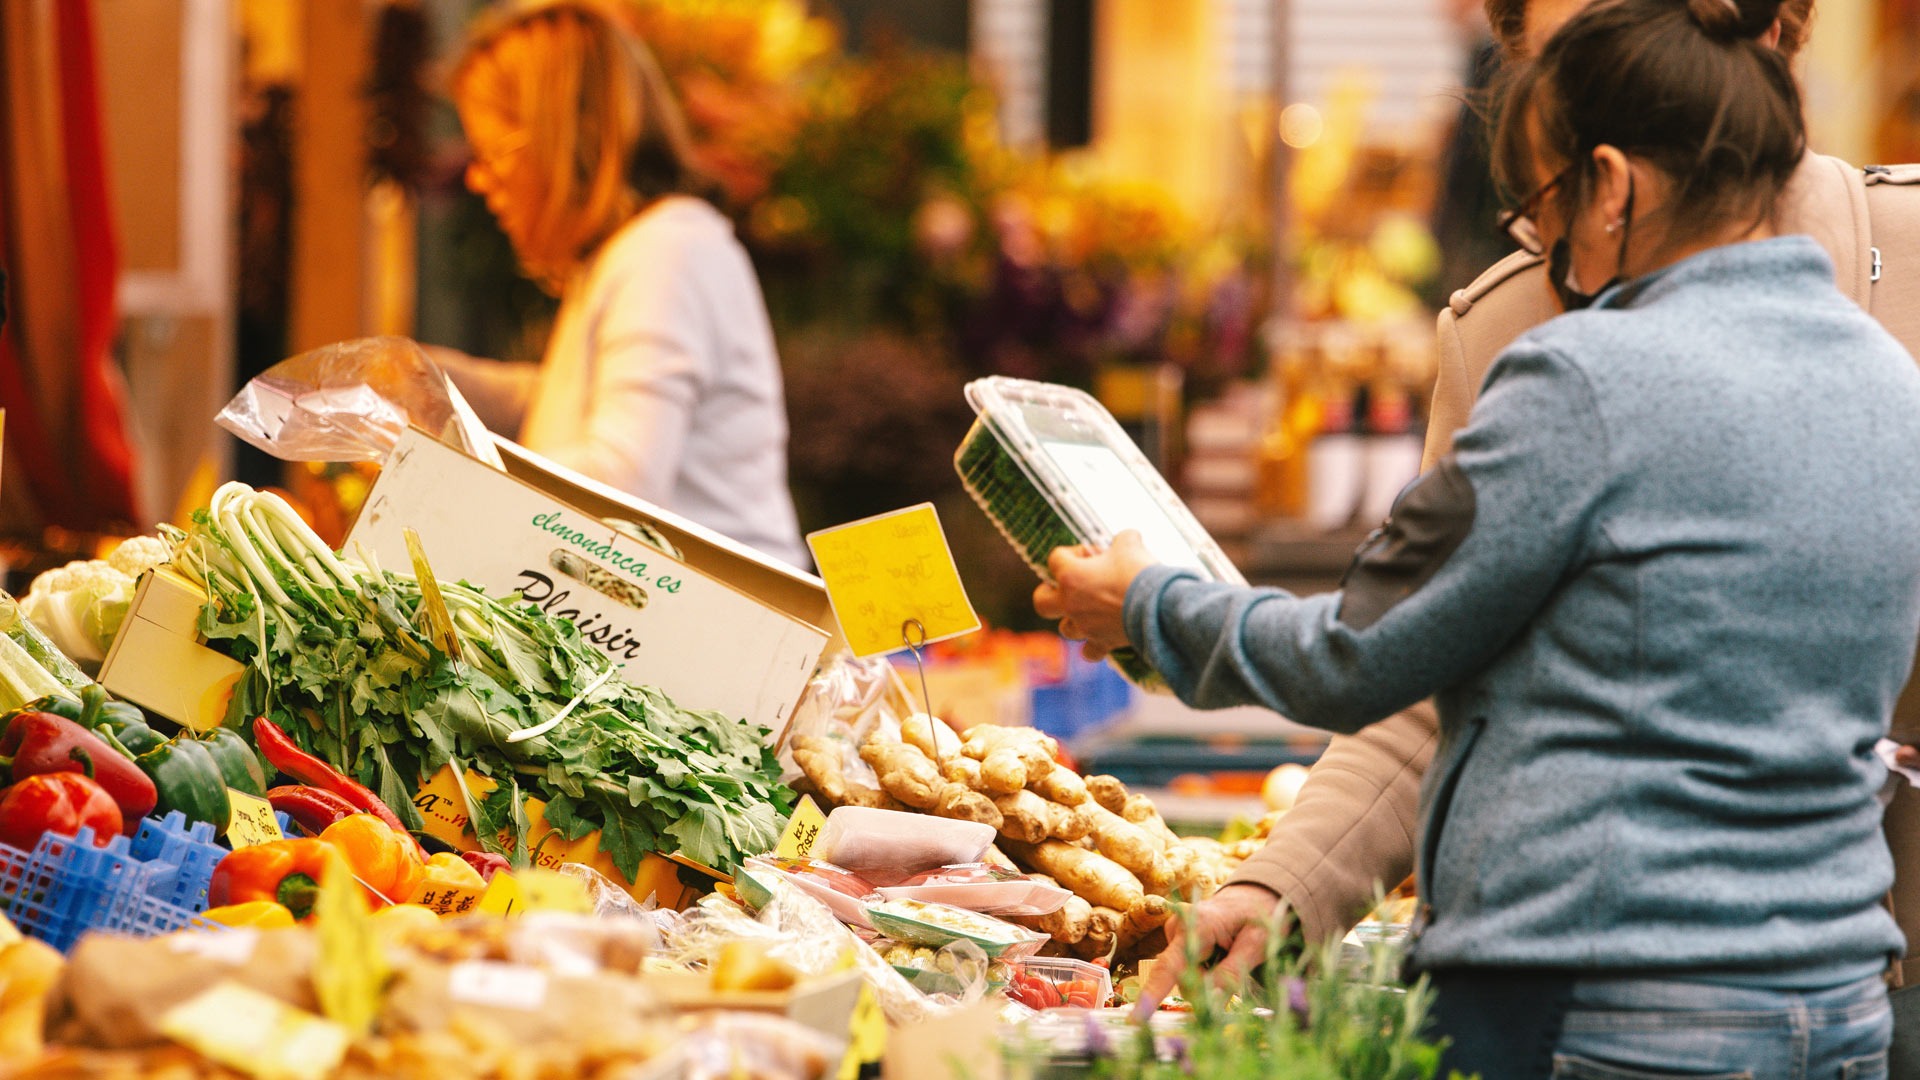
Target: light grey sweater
1667, 588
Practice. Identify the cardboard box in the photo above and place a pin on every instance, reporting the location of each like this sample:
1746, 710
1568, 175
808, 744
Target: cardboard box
159, 661
442, 806
724, 628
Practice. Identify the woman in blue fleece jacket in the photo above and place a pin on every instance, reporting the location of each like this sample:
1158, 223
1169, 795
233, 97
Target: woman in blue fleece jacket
1666, 588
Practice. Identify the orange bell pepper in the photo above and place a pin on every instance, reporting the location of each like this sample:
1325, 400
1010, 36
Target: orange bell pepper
385, 862
285, 872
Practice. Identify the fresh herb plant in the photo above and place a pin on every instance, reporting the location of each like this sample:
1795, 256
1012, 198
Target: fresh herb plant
1324, 1016
343, 656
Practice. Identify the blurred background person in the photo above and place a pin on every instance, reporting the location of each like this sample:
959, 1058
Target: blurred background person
660, 377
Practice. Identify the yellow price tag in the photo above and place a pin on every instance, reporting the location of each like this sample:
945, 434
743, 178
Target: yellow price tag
261, 1036
803, 828
351, 969
546, 890
887, 571
867, 1035
251, 820
502, 896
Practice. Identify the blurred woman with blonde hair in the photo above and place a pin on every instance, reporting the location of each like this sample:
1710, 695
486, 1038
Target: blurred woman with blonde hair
660, 378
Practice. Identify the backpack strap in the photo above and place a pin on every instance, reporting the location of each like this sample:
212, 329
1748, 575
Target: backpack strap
1893, 225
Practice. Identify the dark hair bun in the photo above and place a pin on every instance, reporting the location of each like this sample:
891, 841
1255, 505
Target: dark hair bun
1732, 20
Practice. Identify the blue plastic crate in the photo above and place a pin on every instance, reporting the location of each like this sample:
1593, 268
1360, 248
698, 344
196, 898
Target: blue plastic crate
189, 848
1091, 694
67, 886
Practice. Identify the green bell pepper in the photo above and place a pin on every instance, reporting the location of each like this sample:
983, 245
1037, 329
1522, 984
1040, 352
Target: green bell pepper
125, 725
189, 780
239, 765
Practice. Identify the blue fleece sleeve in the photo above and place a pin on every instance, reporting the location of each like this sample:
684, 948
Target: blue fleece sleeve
1487, 535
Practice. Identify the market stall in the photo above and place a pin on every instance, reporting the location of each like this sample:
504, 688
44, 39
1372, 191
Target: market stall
393, 810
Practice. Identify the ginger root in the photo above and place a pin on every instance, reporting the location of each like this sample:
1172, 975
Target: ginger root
931, 736
1067, 924
962, 803
1103, 929
1088, 873
1109, 792
1132, 847
1070, 823
1025, 817
1143, 918
961, 770
1035, 748
1059, 784
1003, 771
905, 773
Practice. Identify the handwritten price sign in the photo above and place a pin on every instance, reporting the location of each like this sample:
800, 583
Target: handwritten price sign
252, 821
886, 571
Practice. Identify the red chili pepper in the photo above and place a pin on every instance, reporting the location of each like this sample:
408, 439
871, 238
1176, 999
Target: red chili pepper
62, 803
38, 743
310, 808
284, 754
487, 862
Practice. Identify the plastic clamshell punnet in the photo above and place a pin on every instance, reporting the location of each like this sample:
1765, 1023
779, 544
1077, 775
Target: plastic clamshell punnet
936, 925
1051, 467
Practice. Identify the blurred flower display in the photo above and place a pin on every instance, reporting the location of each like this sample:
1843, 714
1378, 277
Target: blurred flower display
877, 196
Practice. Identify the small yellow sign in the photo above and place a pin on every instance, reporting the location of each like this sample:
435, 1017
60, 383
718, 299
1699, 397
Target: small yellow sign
867, 1035
258, 1035
251, 821
502, 896
890, 571
547, 890
351, 970
803, 828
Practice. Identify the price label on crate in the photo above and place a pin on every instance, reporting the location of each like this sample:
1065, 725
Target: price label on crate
251, 821
802, 830
887, 571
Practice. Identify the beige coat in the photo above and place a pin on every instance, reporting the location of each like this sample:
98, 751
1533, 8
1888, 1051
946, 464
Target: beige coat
1354, 823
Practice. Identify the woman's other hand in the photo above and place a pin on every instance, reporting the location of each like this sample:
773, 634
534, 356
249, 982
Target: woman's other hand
1236, 923
1089, 591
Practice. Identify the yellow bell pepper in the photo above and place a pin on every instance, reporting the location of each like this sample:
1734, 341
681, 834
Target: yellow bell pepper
405, 919
264, 914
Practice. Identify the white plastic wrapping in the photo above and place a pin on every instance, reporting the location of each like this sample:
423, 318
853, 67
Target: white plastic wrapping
351, 401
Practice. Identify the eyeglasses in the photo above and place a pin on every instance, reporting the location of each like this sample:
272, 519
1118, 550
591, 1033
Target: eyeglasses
1517, 223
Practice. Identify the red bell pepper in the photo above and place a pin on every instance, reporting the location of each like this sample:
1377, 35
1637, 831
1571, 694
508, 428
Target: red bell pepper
62, 803
37, 743
487, 862
284, 754
309, 807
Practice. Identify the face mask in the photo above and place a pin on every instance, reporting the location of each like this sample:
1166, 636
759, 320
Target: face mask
1560, 265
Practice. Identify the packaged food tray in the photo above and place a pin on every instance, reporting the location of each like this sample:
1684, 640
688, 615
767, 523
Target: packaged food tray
1050, 467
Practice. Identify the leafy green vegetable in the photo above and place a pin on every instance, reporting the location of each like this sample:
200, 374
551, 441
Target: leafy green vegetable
338, 655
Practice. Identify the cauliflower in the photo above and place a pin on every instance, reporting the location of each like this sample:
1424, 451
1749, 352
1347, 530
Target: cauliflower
139, 554
82, 604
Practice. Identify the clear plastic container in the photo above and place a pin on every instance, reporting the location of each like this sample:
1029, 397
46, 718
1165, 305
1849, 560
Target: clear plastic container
938, 925
1052, 468
1054, 982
